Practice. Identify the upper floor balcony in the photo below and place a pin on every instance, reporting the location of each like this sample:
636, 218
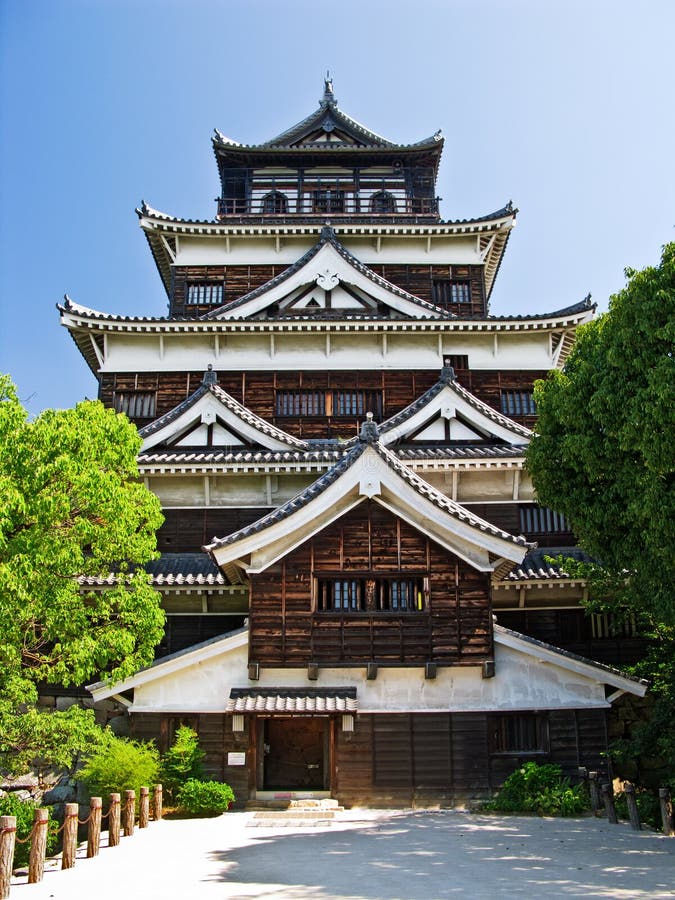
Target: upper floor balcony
279, 206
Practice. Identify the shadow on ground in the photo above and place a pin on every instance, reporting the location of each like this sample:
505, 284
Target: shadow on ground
449, 854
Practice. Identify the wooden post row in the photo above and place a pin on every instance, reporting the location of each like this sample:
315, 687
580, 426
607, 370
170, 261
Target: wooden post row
7, 841
608, 800
594, 792
69, 836
129, 813
144, 808
666, 811
631, 802
38, 846
114, 821
157, 803
94, 830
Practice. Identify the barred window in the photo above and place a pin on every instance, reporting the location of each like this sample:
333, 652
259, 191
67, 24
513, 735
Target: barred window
445, 291
518, 403
613, 625
457, 361
370, 594
357, 403
207, 294
541, 520
301, 403
136, 404
518, 733
327, 201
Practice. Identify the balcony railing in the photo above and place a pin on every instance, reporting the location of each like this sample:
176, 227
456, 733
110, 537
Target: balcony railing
309, 205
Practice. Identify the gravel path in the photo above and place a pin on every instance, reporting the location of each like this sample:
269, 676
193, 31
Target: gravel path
371, 855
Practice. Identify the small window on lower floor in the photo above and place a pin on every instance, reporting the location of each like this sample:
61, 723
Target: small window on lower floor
205, 294
136, 404
518, 733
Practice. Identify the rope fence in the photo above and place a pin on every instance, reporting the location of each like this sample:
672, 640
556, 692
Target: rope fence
120, 816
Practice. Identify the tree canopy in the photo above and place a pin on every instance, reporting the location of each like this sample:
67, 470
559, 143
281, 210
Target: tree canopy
604, 449
71, 507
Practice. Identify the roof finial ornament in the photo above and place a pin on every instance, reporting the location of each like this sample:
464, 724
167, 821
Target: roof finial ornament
369, 430
210, 377
328, 95
447, 372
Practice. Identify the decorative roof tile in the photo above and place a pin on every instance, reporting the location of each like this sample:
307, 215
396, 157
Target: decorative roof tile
292, 700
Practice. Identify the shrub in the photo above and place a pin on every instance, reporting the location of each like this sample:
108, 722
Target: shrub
182, 761
119, 764
10, 805
205, 798
540, 789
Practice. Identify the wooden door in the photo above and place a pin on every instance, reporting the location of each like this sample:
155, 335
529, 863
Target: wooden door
295, 753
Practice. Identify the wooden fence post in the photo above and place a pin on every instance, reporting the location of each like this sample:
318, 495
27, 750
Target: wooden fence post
114, 821
608, 800
144, 808
94, 829
69, 836
631, 802
7, 841
666, 811
157, 803
38, 846
129, 815
594, 792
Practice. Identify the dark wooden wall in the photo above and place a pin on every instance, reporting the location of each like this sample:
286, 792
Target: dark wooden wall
187, 530
444, 758
240, 280
285, 629
256, 390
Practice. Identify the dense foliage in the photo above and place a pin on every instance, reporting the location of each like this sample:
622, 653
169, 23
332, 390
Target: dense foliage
119, 764
205, 798
71, 505
182, 761
604, 451
540, 789
23, 810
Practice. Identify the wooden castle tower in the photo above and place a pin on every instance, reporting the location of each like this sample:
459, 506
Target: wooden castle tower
353, 560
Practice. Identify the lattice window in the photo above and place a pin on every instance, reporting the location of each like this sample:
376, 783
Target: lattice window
449, 291
205, 294
136, 404
542, 520
329, 201
457, 361
518, 403
357, 403
372, 594
518, 733
301, 403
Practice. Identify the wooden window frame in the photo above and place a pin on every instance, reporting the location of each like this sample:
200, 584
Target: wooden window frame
535, 519
204, 293
517, 402
518, 734
371, 593
127, 402
447, 292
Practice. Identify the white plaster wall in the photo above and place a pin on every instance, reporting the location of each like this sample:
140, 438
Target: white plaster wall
317, 350
521, 683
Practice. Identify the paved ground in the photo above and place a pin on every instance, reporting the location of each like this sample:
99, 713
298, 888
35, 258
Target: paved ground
372, 855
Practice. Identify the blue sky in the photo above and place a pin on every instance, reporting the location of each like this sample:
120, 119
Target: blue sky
565, 107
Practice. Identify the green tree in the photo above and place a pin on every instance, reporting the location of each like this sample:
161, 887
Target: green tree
71, 508
604, 449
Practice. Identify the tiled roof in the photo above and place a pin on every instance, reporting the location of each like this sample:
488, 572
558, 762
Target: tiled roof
209, 386
171, 569
292, 700
211, 456
535, 565
317, 487
328, 236
447, 378
500, 629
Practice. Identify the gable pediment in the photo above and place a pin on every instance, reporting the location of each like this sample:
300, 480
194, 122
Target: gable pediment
211, 418
447, 413
328, 280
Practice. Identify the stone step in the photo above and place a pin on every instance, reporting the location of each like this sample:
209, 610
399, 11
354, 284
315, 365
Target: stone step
294, 814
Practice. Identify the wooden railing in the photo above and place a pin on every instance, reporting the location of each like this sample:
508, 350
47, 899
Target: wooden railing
308, 205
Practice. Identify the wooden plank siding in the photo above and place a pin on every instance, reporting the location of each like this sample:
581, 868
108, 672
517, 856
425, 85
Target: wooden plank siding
257, 391
418, 280
287, 630
187, 530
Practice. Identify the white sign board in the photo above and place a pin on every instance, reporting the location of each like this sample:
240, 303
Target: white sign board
236, 759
